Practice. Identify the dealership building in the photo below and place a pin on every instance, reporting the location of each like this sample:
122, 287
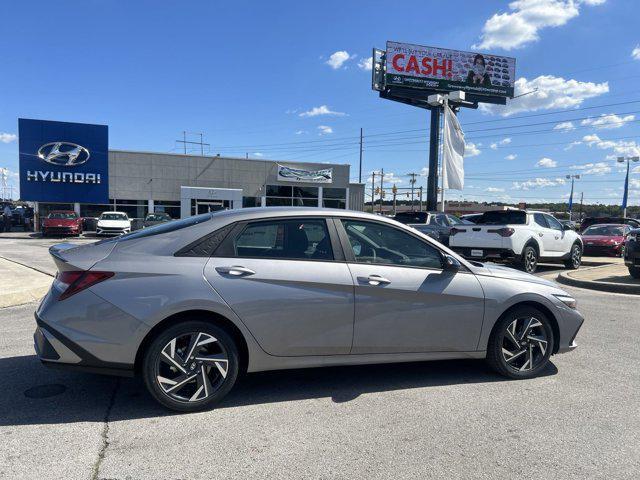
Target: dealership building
69, 166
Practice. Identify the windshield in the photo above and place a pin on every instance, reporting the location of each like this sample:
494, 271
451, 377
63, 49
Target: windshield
503, 217
62, 215
113, 216
606, 230
157, 217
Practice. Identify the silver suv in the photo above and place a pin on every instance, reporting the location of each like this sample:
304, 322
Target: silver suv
190, 304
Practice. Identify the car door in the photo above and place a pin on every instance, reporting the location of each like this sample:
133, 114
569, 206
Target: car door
562, 239
545, 235
287, 281
404, 300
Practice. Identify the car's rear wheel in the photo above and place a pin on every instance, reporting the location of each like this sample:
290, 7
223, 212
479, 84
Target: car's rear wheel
521, 343
529, 259
190, 366
634, 271
575, 258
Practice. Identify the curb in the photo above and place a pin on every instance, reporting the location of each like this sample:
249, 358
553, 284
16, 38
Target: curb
567, 279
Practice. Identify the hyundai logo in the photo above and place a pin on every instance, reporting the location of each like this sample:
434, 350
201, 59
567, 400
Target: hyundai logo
64, 154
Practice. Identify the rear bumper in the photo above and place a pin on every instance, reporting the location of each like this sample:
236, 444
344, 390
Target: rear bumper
505, 254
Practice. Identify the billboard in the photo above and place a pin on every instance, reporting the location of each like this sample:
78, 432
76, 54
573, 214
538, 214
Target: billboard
289, 174
440, 69
63, 162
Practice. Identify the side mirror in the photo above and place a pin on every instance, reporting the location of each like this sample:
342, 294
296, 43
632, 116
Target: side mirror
451, 264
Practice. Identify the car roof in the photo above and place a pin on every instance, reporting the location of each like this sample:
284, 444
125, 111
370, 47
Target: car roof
62, 211
113, 211
608, 225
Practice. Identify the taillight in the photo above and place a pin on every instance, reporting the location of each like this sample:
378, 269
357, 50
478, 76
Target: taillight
78, 280
503, 232
455, 230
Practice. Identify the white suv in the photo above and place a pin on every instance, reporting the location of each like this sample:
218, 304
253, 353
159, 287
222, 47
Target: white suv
519, 236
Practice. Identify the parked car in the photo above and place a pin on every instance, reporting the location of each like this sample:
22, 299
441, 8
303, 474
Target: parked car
522, 237
588, 221
113, 223
437, 225
22, 217
61, 222
190, 304
632, 253
569, 223
606, 239
155, 218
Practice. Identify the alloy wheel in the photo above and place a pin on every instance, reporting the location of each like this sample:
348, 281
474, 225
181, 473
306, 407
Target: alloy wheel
191, 367
576, 256
530, 260
525, 344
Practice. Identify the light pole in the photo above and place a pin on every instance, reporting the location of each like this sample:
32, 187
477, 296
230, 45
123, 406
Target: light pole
573, 178
626, 182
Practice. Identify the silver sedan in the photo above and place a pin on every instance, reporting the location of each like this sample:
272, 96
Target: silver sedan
190, 304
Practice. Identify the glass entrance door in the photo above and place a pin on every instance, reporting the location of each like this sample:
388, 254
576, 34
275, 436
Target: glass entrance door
207, 206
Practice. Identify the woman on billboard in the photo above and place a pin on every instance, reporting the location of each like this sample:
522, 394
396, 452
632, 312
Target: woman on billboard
478, 74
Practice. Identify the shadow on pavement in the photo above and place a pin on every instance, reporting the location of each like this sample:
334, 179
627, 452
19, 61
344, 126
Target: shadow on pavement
86, 397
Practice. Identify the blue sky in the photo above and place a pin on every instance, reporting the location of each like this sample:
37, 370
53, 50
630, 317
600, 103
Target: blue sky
289, 81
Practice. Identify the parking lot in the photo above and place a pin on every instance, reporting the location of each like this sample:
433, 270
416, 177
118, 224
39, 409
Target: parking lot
453, 419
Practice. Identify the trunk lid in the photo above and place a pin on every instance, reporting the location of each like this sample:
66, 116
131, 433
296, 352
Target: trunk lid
68, 256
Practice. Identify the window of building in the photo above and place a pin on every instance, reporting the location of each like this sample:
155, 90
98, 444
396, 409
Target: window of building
93, 210
167, 206
133, 208
248, 202
373, 242
286, 196
291, 239
334, 197
45, 208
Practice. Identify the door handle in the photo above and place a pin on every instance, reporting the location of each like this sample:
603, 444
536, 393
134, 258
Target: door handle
376, 280
540, 234
235, 270
557, 237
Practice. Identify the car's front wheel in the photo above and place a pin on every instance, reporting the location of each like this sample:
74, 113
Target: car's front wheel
521, 343
190, 366
634, 271
575, 258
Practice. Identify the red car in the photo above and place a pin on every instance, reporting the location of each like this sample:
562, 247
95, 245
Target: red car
605, 239
62, 222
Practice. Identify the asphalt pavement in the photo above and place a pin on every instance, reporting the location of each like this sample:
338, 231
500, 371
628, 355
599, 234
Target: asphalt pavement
453, 419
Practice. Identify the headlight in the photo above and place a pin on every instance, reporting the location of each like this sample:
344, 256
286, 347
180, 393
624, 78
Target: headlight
567, 300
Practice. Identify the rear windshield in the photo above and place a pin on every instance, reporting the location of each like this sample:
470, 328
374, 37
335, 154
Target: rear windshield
61, 215
503, 217
162, 228
411, 217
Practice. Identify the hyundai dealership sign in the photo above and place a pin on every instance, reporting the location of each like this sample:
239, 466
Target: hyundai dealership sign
63, 162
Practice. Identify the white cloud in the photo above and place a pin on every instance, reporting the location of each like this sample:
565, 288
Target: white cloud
572, 144
366, 63
599, 168
511, 156
325, 130
546, 163
258, 154
494, 189
565, 126
504, 141
7, 137
545, 92
636, 52
301, 132
607, 121
635, 169
337, 59
389, 179
321, 110
471, 150
538, 183
619, 147
522, 25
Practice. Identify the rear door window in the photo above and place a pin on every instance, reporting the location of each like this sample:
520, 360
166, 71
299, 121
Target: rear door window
304, 239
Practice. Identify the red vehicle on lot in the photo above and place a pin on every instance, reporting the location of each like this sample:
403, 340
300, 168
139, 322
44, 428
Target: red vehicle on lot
62, 222
605, 239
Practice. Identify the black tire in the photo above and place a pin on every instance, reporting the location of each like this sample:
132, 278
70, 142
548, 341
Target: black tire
529, 259
155, 365
500, 337
634, 271
575, 257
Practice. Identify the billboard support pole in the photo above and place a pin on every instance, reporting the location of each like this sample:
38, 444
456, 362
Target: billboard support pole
434, 146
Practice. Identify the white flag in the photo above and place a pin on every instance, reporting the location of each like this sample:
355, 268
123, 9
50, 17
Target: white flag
453, 151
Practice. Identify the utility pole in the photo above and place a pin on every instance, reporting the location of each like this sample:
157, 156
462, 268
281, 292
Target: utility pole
184, 142
420, 198
434, 146
394, 190
373, 190
381, 188
573, 178
360, 169
581, 198
413, 182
